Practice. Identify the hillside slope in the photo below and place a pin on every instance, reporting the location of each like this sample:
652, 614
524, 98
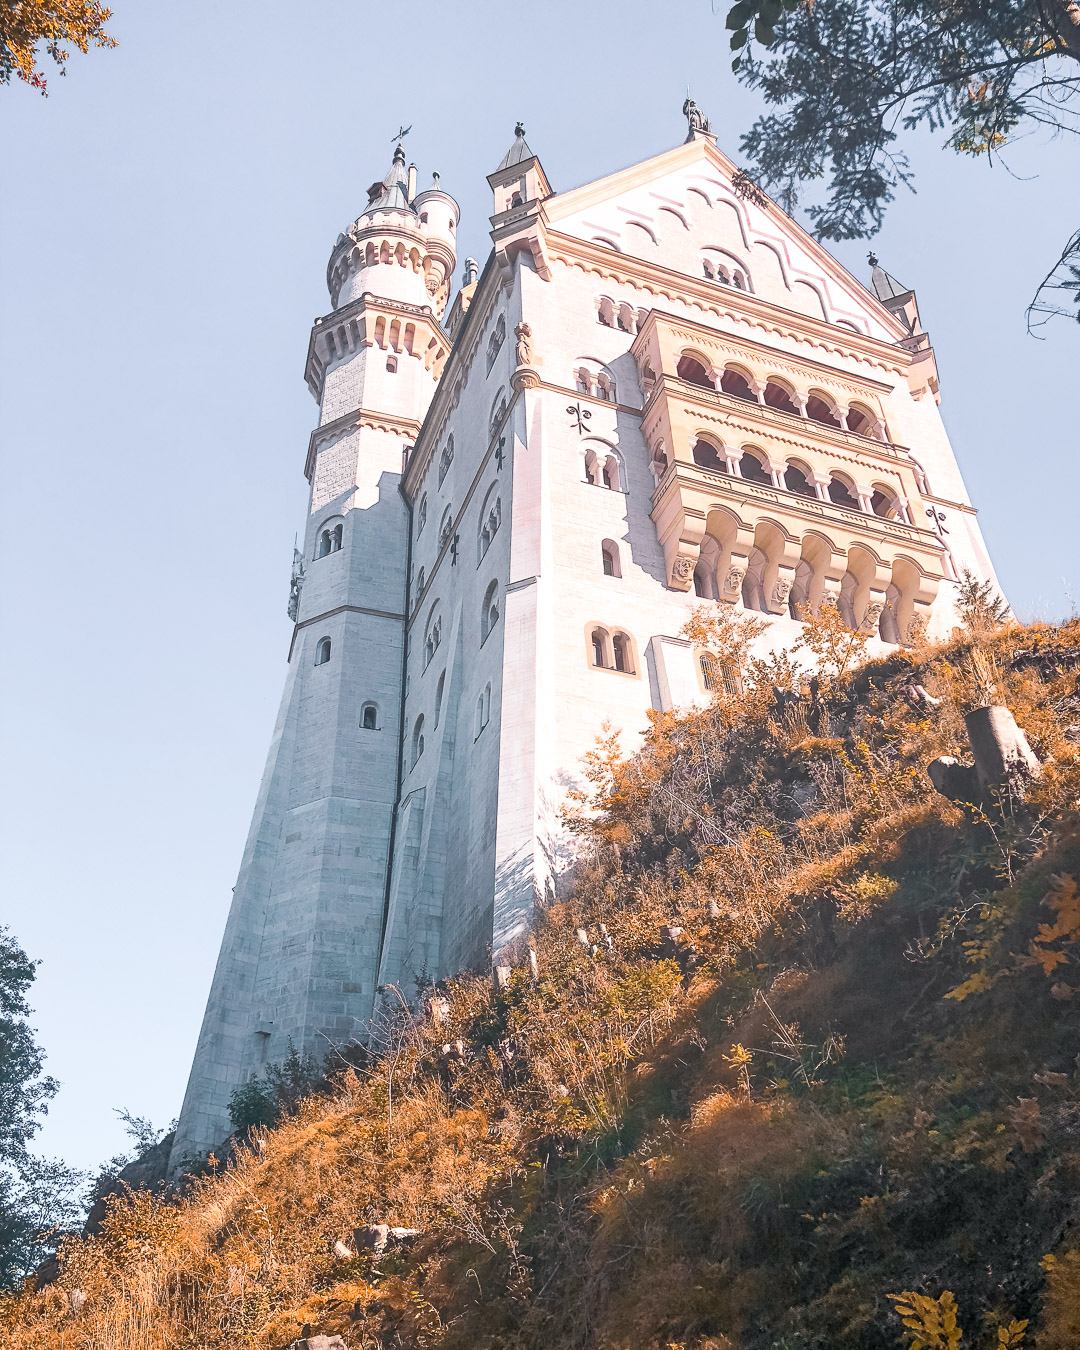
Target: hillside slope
854, 1073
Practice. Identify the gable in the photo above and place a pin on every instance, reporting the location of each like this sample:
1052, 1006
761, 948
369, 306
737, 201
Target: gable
680, 211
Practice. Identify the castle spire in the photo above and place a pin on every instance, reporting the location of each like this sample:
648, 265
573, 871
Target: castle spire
392, 194
518, 152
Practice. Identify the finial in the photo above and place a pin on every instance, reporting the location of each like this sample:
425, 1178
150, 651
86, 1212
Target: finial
401, 133
871, 258
519, 130
695, 119
435, 182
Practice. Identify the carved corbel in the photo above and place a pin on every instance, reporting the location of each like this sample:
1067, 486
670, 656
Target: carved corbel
780, 577
875, 607
731, 586
682, 547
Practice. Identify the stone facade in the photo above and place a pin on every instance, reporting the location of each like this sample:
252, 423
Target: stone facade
660, 392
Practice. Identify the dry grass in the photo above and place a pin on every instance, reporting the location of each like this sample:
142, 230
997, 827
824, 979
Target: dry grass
747, 1150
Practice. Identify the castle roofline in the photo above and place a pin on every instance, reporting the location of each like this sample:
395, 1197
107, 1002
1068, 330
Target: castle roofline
704, 148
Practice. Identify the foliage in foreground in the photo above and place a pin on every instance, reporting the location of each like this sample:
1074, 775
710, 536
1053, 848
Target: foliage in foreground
845, 79
799, 1125
28, 25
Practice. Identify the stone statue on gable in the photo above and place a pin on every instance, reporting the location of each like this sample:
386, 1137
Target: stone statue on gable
695, 119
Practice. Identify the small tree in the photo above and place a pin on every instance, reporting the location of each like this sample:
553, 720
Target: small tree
981, 607
725, 635
262, 1101
835, 647
36, 1197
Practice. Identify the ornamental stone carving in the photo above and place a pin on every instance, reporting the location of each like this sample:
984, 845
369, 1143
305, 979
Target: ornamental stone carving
872, 616
523, 333
781, 590
682, 571
734, 580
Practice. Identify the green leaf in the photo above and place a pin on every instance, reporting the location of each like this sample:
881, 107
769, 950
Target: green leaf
738, 62
771, 11
764, 33
739, 15
739, 39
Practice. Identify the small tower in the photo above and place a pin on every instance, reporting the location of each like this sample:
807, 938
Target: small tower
301, 949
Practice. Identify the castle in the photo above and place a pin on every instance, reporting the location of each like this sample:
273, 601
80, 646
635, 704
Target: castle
659, 392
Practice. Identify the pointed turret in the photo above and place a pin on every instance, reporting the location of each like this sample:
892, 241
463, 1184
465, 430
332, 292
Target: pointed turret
409, 239
518, 151
900, 300
392, 194
519, 182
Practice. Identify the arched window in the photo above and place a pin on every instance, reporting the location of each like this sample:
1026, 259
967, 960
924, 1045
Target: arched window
599, 647
796, 479
583, 380
322, 651
734, 382
609, 552
841, 494
369, 717
483, 709
861, 421
490, 520
496, 340
738, 280
329, 540
391, 365
708, 269
623, 653
883, 503
718, 677
446, 527
627, 318
432, 637
818, 410
776, 396
692, 371
418, 739
709, 457
605, 312
421, 515
604, 388
489, 613
603, 469
446, 458
498, 411
438, 697
753, 470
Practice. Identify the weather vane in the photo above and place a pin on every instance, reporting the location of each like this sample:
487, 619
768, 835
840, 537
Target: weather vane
401, 133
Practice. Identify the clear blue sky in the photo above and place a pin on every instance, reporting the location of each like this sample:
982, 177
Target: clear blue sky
165, 227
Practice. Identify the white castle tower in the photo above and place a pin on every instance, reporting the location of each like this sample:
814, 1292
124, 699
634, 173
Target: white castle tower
660, 392
301, 949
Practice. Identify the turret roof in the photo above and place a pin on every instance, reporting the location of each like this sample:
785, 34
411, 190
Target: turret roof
884, 286
392, 194
518, 152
